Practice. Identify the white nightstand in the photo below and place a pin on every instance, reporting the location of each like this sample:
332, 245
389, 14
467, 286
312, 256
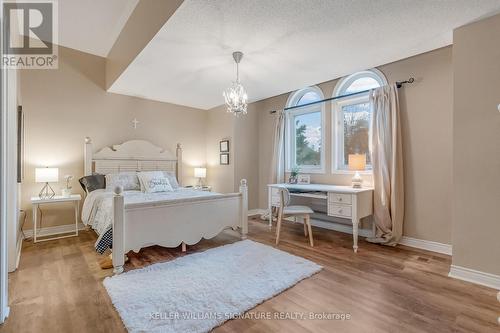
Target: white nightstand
36, 202
206, 188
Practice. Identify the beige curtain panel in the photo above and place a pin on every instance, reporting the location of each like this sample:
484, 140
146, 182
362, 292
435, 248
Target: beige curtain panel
387, 162
278, 158
277, 174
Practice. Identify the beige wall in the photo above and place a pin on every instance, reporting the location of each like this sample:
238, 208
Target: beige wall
476, 154
426, 112
243, 155
220, 126
64, 106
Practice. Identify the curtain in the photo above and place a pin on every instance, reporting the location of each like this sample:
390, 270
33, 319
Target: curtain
278, 158
387, 162
277, 174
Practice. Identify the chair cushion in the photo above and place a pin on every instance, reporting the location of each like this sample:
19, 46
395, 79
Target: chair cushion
290, 210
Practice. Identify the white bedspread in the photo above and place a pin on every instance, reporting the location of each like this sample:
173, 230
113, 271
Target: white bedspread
97, 207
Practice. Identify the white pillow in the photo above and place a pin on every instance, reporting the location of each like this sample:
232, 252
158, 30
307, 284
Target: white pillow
154, 181
172, 179
127, 180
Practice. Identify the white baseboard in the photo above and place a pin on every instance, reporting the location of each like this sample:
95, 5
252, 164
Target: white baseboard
257, 211
478, 277
426, 245
50, 231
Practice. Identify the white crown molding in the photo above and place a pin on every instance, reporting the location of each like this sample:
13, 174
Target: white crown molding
50, 231
426, 245
478, 277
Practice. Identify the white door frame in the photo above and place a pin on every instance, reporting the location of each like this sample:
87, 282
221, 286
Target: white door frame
4, 309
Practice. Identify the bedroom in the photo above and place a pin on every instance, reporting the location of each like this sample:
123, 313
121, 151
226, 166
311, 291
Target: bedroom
134, 79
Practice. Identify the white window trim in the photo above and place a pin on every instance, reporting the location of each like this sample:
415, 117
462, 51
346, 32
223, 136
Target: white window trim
337, 130
289, 126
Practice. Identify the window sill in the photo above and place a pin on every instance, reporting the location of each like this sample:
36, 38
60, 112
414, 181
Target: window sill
307, 171
349, 172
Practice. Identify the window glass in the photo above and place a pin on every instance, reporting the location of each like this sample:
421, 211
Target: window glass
308, 97
353, 116
308, 139
356, 128
361, 84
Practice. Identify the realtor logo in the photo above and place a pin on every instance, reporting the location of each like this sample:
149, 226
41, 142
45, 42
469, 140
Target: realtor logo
30, 36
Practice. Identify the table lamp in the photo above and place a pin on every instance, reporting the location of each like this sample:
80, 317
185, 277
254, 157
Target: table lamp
46, 175
357, 162
200, 173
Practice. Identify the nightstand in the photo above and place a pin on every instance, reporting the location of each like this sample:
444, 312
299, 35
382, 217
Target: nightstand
205, 188
36, 202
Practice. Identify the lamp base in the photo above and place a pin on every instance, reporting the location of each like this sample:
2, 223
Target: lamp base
357, 181
200, 183
47, 192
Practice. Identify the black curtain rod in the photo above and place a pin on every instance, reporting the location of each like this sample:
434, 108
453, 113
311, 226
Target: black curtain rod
399, 84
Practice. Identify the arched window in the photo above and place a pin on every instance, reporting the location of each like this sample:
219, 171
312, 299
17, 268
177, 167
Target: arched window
352, 117
305, 131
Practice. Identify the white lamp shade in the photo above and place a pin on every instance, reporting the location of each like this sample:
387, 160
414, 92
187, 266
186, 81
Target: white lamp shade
357, 162
46, 175
200, 172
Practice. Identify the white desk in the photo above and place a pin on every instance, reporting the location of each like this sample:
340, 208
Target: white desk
342, 201
36, 202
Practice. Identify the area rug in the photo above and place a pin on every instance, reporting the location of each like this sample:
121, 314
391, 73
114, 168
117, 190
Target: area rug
198, 292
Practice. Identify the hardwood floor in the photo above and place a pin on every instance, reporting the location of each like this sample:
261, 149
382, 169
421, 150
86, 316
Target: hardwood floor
58, 288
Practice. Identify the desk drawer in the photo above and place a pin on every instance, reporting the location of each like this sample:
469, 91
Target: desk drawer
339, 210
339, 198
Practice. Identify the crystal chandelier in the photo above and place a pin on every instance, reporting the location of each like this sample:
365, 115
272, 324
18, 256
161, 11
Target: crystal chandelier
235, 96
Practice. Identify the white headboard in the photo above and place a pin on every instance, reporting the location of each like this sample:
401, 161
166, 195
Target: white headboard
133, 155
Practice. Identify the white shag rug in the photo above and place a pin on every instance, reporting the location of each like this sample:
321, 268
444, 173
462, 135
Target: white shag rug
198, 292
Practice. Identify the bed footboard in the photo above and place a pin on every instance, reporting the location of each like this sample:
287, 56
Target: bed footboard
172, 223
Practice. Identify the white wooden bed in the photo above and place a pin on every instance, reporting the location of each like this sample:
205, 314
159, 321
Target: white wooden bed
165, 223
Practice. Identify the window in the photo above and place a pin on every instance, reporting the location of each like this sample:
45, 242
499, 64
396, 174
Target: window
352, 117
305, 134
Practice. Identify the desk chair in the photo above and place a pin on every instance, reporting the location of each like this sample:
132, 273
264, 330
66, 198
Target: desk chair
285, 211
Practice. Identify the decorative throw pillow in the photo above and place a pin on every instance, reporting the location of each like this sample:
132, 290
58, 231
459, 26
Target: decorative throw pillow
154, 181
92, 183
127, 180
172, 179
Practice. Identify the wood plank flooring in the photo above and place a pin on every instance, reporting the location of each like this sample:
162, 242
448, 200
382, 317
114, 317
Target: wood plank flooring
58, 288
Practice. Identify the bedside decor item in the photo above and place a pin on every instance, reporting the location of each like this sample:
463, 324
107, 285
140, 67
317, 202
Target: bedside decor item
235, 96
224, 159
357, 162
200, 173
293, 175
66, 192
304, 179
224, 146
46, 175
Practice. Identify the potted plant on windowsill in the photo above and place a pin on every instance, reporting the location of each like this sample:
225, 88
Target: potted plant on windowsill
66, 192
293, 175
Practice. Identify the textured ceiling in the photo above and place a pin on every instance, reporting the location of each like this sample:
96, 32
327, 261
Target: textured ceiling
288, 44
92, 26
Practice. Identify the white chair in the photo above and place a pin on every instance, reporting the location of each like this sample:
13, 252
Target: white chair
285, 211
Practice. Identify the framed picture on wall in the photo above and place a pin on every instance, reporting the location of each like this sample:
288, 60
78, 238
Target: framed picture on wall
224, 159
224, 146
